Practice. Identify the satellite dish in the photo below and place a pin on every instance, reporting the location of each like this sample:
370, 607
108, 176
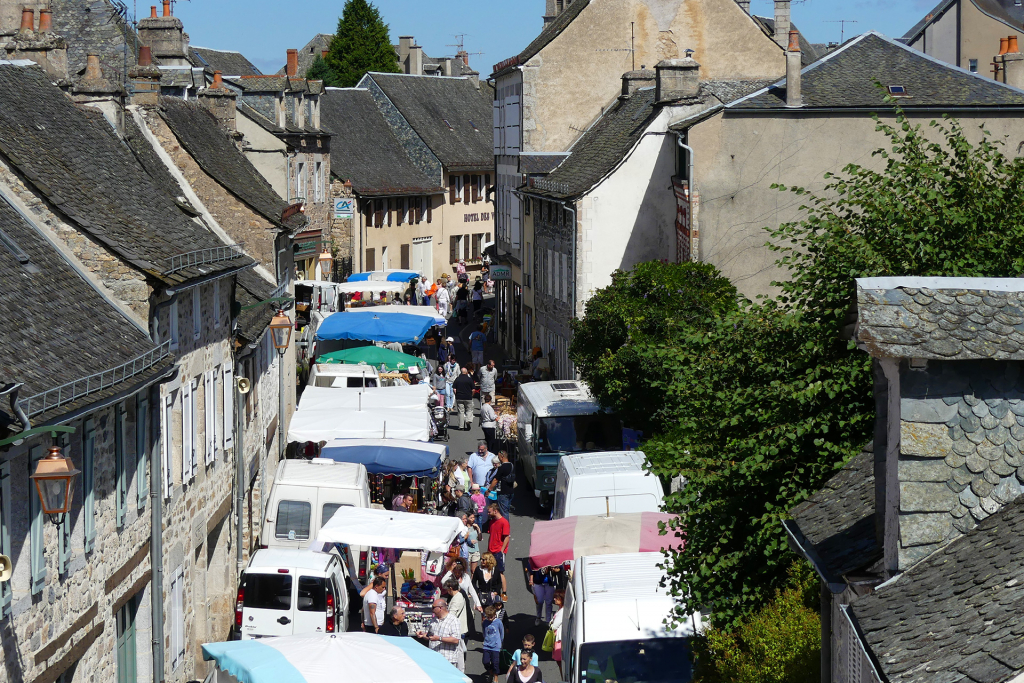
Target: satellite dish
244, 385
6, 568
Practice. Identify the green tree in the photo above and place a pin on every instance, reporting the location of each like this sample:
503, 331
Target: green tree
771, 400
361, 44
319, 70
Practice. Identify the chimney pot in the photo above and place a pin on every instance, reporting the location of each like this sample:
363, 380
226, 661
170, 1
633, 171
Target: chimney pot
325, 53
293, 63
93, 72
152, 12
1003, 45
794, 98
218, 80
1011, 45
28, 18
145, 56
167, 8
45, 21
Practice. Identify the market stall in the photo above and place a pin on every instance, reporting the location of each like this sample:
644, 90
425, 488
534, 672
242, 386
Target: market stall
381, 358
329, 413
321, 658
390, 275
562, 540
395, 467
369, 325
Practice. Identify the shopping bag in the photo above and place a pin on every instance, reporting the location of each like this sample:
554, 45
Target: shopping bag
549, 641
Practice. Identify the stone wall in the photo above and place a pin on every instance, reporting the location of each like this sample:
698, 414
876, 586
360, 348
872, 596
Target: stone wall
239, 221
126, 285
961, 449
50, 630
343, 239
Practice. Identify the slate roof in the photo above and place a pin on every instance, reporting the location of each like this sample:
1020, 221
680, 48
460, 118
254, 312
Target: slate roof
545, 162
941, 318
838, 521
251, 290
550, 32
597, 152
154, 166
846, 79
63, 329
466, 141
227, 62
368, 154
206, 142
808, 53
71, 156
1006, 11
309, 53
956, 615
96, 28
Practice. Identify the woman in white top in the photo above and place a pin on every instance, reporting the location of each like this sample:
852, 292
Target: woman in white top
488, 421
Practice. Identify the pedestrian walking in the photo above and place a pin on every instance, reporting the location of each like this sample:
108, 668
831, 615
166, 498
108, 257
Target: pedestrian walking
442, 635
494, 637
421, 292
524, 670
488, 379
488, 420
479, 499
457, 605
497, 542
451, 373
480, 463
487, 580
462, 303
374, 604
503, 482
443, 299
477, 342
529, 645
472, 542
395, 624
440, 384
556, 628
463, 387
542, 585
478, 297
461, 503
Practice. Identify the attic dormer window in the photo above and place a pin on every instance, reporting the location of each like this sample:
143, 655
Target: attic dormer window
898, 91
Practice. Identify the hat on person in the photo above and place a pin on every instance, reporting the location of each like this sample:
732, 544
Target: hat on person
475, 487
460, 487
451, 339
383, 568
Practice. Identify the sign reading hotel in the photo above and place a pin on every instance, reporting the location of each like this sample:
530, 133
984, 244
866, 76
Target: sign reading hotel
476, 217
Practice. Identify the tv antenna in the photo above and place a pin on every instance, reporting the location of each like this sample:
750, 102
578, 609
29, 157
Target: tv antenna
630, 49
842, 26
460, 46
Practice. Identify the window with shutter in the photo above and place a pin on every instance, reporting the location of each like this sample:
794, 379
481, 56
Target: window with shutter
35, 518
120, 475
466, 184
453, 189
487, 184
370, 263
141, 448
378, 214
476, 246
209, 412
186, 432
474, 183
453, 249
405, 257
166, 461
228, 387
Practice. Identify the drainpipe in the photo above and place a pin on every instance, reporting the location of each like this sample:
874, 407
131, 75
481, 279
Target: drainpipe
11, 392
156, 547
689, 179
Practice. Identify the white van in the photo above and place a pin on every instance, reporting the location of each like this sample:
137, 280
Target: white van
614, 621
343, 375
291, 592
556, 419
602, 483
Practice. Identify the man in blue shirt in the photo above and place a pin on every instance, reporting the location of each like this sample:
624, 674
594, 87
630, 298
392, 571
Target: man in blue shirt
477, 340
480, 463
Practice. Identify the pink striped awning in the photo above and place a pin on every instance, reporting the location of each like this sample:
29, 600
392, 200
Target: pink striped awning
561, 540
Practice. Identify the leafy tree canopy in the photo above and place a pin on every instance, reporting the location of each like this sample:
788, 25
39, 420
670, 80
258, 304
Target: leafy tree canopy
319, 70
758, 405
362, 44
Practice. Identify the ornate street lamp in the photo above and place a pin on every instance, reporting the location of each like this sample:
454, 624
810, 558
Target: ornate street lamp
55, 480
325, 261
281, 328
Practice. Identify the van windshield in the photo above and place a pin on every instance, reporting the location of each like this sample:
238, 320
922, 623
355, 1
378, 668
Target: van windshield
577, 433
268, 591
655, 660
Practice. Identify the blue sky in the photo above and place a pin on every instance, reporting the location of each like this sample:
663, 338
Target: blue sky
264, 29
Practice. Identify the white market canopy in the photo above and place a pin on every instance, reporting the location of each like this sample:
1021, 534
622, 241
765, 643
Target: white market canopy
329, 413
425, 311
368, 527
375, 287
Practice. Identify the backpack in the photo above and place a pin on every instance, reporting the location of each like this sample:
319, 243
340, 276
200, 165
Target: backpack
510, 478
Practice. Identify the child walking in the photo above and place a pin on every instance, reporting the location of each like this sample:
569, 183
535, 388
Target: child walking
494, 636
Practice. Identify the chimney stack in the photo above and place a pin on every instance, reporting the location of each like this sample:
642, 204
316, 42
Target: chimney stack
292, 69
1013, 65
45, 21
415, 65
782, 23
744, 5
28, 18
325, 53
220, 101
92, 68
145, 56
793, 67
165, 36
641, 78
676, 79
97, 92
145, 79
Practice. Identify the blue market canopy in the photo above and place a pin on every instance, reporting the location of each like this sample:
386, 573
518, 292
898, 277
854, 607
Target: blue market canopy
384, 276
389, 456
370, 325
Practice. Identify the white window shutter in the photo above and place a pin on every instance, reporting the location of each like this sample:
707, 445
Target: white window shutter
209, 414
165, 444
195, 430
186, 431
215, 391
497, 127
229, 406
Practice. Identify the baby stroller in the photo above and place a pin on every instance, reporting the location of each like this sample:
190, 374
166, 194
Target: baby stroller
439, 418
